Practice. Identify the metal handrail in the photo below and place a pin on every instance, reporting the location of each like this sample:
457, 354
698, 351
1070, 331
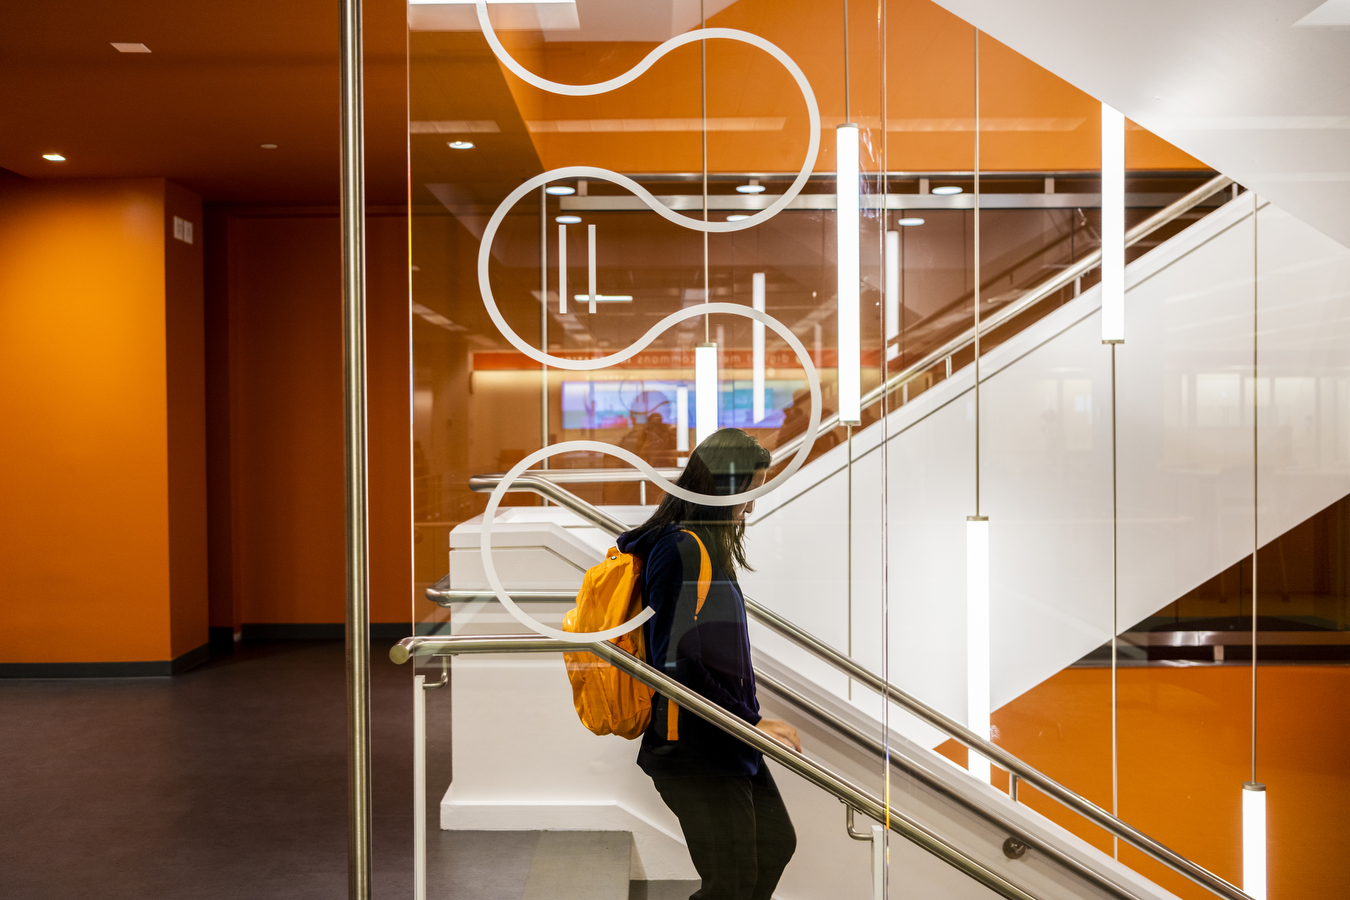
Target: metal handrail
1052, 284
797, 762
953, 729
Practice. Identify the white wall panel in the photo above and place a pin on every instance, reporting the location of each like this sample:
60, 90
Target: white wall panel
1046, 465
1184, 455
1303, 371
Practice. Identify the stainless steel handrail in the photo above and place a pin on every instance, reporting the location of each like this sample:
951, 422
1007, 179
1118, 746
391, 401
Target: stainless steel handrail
856, 797
922, 775
953, 729
536, 482
1035, 295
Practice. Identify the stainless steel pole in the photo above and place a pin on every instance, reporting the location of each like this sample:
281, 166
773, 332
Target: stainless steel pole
354, 421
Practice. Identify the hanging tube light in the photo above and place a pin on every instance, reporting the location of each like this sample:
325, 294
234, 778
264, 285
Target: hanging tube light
681, 420
1113, 226
590, 264
757, 347
705, 391
892, 292
848, 268
977, 638
562, 268
1254, 839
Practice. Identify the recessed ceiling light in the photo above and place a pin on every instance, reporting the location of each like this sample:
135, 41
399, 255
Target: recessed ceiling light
907, 222
749, 188
269, 146
460, 145
53, 157
947, 189
130, 48
736, 218
568, 220
559, 190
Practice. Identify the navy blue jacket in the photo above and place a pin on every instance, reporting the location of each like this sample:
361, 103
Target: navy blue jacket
710, 654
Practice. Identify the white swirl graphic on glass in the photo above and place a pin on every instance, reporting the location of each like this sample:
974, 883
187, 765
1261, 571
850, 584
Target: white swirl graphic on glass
541, 356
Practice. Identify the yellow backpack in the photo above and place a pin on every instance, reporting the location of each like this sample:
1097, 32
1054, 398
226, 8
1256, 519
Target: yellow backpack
607, 700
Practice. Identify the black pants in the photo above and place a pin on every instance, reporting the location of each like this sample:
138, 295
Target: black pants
737, 829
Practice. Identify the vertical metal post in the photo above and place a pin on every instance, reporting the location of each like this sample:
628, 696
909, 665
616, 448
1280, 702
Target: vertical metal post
354, 421
419, 788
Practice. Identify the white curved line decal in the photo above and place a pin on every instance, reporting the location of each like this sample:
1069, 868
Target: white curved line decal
582, 365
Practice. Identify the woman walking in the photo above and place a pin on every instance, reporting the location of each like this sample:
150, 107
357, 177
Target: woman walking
735, 824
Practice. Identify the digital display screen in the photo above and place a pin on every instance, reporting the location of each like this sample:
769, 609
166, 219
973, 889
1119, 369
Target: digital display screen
627, 404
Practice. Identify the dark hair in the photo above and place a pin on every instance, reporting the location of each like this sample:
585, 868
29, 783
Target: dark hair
725, 463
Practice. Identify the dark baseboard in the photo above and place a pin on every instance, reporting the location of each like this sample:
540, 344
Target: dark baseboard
152, 669
319, 631
222, 640
191, 659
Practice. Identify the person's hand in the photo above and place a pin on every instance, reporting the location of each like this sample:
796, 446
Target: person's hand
782, 732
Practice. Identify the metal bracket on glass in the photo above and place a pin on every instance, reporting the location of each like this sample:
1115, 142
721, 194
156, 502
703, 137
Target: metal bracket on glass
876, 836
445, 676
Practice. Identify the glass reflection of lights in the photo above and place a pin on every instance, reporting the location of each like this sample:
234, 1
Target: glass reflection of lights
604, 298
947, 189
560, 190
910, 221
757, 292
568, 220
892, 274
460, 145
705, 391
751, 188
682, 421
736, 218
53, 157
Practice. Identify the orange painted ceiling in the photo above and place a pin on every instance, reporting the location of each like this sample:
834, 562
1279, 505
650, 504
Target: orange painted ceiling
221, 79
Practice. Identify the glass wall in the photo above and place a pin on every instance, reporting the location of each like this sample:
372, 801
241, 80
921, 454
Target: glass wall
628, 231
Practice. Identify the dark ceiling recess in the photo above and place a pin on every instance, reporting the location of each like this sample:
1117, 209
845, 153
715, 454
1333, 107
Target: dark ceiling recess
220, 81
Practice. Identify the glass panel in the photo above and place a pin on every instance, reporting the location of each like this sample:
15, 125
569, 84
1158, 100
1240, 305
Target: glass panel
1108, 480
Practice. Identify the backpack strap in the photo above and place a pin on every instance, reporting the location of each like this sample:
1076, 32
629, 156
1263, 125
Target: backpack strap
704, 572
704, 584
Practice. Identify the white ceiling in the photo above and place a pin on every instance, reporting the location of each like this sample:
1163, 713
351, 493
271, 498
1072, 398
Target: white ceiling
1235, 83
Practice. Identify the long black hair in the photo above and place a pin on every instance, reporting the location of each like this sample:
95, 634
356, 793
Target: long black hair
725, 463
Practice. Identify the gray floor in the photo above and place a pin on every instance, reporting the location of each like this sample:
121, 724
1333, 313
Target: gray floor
230, 782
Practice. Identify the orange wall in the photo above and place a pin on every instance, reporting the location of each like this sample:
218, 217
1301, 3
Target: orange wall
103, 531
1184, 751
284, 431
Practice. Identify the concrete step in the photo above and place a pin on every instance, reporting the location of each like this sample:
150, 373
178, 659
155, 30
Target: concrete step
538, 865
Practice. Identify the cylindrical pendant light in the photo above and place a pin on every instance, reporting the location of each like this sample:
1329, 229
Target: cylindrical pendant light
848, 268
1113, 225
705, 391
1254, 839
757, 348
592, 293
562, 268
892, 290
681, 420
977, 637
